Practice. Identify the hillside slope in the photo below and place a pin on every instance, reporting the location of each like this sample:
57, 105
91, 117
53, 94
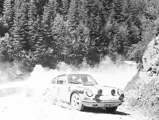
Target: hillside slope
143, 90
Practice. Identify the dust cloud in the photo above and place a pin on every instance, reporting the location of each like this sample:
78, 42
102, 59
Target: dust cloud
106, 73
29, 102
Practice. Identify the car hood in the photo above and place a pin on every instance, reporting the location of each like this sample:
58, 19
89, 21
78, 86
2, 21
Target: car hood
106, 90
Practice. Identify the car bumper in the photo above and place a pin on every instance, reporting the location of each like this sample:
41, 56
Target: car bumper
102, 104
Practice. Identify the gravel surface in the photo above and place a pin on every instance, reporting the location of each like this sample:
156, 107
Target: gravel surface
20, 107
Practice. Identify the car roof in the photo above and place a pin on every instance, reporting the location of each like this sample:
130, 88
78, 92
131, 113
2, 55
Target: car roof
65, 74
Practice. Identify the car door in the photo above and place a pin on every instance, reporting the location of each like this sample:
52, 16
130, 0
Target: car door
63, 87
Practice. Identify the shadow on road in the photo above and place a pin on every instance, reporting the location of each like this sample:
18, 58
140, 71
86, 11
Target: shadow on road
102, 111
95, 110
120, 113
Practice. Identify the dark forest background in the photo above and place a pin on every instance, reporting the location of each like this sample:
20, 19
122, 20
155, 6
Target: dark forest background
47, 32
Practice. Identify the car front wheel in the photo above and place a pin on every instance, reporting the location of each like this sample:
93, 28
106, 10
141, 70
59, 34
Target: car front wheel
76, 102
111, 110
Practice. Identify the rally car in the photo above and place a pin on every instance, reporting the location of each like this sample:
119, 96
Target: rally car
82, 90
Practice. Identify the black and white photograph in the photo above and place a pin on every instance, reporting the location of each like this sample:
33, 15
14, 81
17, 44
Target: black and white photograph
79, 59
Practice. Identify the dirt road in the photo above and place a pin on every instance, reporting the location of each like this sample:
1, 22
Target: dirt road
20, 107
17, 103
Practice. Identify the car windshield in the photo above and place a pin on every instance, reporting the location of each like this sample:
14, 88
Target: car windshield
81, 79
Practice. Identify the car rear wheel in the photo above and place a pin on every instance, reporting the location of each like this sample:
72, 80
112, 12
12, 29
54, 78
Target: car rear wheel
111, 110
48, 97
76, 102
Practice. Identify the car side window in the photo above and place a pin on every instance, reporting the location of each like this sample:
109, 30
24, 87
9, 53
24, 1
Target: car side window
54, 80
62, 80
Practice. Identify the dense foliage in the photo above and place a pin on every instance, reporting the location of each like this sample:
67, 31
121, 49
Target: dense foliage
51, 31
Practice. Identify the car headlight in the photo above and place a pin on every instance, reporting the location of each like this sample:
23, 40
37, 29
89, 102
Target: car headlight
121, 97
113, 92
100, 91
89, 93
119, 92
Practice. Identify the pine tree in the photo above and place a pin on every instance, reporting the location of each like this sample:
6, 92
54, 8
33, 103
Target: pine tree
95, 23
1, 7
61, 38
48, 19
43, 44
38, 39
39, 5
14, 40
118, 11
9, 12
107, 8
48, 40
34, 19
20, 32
25, 27
74, 15
79, 32
22, 26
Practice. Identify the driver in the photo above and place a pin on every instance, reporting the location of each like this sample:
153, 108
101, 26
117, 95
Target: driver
84, 79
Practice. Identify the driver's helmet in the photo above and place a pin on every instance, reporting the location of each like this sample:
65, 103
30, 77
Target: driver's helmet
84, 79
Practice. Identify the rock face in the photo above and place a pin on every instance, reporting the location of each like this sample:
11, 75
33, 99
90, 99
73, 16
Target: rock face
143, 90
151, 57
